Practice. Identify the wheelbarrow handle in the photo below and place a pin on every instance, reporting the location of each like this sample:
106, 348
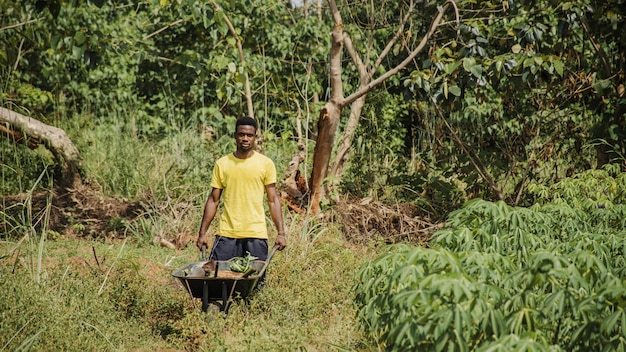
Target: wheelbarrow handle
203, 249
274, 249
267, 261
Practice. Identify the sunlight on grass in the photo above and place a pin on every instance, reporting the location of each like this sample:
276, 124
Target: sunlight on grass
121, 295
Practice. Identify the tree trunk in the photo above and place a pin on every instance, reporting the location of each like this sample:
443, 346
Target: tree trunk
326, 130
348, 136
55, 139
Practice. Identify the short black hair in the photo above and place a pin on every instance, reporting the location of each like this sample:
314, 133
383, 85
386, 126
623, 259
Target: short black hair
246, 121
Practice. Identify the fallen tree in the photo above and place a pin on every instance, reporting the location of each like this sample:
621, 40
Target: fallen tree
24, 129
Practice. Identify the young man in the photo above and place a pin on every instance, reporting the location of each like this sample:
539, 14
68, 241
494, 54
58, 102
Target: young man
242, 178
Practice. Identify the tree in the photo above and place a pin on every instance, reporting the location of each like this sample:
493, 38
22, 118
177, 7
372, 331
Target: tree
330, 113
524, 87
507, 93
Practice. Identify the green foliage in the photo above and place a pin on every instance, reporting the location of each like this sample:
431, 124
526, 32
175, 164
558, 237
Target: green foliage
499, 277
508, 84
127, 165
156, 62
592, 190
384, 171
520, 86
374, 164
21, 168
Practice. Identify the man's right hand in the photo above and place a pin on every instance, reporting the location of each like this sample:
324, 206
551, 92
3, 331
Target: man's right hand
201, 241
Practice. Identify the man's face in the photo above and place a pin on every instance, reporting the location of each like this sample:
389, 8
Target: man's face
245, 137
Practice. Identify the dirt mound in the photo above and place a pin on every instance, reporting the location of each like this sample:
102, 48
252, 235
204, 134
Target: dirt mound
86, 212
365, 220
81, 211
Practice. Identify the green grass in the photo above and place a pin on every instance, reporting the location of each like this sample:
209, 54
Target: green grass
64, 293
92, 295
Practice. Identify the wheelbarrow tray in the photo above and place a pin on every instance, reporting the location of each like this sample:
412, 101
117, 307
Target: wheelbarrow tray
195, 285
216, 289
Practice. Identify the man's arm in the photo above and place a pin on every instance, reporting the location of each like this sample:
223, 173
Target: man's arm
273, 201
210, 209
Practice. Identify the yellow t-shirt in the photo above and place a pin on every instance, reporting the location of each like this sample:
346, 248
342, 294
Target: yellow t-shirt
243, 182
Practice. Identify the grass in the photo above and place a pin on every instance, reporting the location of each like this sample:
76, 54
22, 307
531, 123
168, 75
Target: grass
94, 295
65, 293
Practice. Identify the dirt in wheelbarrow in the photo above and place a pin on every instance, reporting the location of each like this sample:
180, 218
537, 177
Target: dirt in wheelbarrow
222, 274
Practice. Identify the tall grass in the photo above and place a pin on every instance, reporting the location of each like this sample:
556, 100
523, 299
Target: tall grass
64, 312
127, 165
121, 296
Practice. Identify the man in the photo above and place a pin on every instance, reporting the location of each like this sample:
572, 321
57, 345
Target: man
242, 178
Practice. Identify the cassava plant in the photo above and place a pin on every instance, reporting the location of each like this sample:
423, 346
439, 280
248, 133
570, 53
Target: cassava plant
550, 276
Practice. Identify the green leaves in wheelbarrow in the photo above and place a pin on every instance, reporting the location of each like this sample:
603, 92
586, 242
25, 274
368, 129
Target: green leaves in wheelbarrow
242, 264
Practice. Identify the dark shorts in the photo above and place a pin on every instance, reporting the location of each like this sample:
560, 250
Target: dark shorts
225, 248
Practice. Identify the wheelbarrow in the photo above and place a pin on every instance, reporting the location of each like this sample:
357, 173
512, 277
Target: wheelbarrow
214, 282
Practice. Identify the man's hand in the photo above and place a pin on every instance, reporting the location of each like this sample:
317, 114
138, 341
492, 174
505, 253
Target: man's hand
201, 241
281, 242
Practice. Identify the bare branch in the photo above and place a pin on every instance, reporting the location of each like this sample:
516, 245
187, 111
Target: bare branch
395, 38
365, 89
356, 59
20, 24
164, 28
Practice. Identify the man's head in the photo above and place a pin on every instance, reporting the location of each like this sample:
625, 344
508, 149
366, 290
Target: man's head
245, 134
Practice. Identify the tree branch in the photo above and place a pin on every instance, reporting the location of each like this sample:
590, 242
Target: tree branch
20, 24
54, 138
474, 159
364, 89
163, 29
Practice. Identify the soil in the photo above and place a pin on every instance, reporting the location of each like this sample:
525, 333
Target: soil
366, 220
84, 211
224, 274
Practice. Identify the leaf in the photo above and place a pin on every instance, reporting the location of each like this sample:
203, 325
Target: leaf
516, 48
528, 62
611, 322
477, 71
396, 49
455, 90
78, 51
79, 38
468, 63
451, 67
558, 67
222, 26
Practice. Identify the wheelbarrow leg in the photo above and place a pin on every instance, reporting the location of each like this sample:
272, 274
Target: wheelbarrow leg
224, 297
205, 296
